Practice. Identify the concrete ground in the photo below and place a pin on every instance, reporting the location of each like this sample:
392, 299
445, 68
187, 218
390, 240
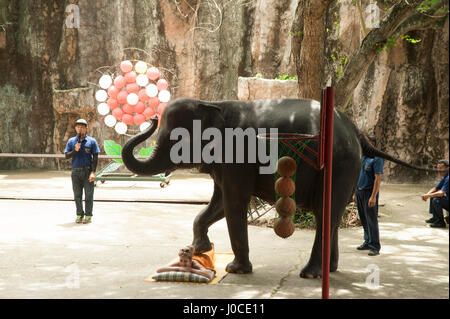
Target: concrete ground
44, 254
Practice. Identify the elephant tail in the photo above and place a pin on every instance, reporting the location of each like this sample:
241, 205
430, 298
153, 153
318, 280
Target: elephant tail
370, 151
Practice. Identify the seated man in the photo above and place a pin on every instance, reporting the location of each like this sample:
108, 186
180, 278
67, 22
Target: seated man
439, 197
191, 263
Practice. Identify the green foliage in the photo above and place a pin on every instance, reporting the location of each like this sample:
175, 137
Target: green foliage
339, 61
296, 34
387, 45
286, 77
114, 149
410, 40
428, 5
304, 219
258, 76
391, 42
146, 151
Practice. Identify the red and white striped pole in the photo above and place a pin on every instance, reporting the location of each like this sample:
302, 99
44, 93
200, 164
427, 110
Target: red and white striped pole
328, 105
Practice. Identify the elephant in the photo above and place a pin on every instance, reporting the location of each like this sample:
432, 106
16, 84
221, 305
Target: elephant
236, 182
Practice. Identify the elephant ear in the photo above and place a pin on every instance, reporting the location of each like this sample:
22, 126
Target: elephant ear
211, 116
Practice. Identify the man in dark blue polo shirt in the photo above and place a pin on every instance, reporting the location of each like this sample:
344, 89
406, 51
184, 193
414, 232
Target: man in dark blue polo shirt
83, 150
438, 197
366, 197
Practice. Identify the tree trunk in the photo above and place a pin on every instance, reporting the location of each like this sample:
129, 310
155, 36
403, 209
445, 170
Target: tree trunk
372, 44
308, 34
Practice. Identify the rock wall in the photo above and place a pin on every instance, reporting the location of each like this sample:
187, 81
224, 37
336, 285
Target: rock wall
49, 70
403, 97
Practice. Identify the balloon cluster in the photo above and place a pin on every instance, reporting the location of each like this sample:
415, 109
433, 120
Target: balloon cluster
132, 97
285, 205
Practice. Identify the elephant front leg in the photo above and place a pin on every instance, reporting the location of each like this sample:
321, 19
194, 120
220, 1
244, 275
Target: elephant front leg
236, 200
236, 216
208, 216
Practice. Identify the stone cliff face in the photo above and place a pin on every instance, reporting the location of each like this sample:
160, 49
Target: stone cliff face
403, 97
49, 70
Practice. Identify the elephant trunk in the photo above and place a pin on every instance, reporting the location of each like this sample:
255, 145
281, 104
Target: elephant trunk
151, 166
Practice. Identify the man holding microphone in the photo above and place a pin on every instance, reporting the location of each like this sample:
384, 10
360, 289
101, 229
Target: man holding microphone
83, 150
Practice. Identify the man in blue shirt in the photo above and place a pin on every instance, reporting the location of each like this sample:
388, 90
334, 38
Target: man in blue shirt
83, 150
438, 197
366, 197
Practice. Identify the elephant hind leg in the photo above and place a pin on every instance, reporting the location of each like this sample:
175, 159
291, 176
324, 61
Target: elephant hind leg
313, 268
334, 248
208, 216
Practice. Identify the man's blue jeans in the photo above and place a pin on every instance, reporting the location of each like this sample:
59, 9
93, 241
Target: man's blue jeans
436, 206
369, 219
80, 181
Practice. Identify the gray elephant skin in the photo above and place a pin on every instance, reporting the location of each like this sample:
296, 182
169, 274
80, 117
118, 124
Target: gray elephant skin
235, 183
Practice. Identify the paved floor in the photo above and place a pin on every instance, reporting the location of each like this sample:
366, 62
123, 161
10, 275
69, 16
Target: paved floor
44, 254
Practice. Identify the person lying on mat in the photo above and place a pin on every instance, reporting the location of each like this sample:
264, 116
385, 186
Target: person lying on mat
188, 263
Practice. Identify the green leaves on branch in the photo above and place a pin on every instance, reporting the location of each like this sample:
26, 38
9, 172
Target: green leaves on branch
391, 42
339, 61
286, 77
430, 5
410, 40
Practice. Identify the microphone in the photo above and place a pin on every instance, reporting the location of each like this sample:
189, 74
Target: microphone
79, 137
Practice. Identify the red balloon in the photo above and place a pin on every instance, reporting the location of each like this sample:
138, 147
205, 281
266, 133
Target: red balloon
126, 66
139, 107
119, 82
117, 113
161, 108
143, 95
127, 119
153, 74
130, 77
113, 91
162, 85
153, 102
112, 103
127, 108
132, 88
122, 97
149, 112
139, 119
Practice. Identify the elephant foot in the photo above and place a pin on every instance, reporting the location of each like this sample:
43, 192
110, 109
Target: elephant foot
239, 268
311, 272
202, 246
333, 267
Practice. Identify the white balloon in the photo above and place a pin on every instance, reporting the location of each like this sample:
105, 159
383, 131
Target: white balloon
105, 81
151, 90
110, 120
140, 67
101, 95
121, 128
103, 108
164, 96
144, 126
142, 80
132, 98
